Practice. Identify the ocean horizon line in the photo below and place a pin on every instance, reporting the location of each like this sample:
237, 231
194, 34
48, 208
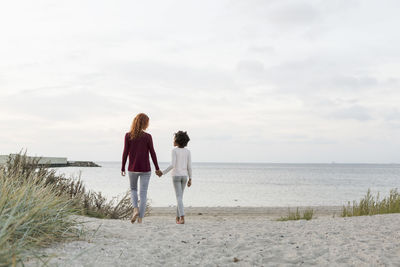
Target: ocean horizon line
272, 163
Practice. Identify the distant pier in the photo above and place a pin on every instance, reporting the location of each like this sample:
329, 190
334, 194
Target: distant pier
82, 164
51, 161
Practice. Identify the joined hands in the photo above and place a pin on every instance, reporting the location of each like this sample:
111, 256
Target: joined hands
159, 173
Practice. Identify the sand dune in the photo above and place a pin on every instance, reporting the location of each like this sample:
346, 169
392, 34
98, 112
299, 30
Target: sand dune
250, 240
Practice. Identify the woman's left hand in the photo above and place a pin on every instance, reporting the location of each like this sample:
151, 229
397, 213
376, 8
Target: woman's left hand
123, 173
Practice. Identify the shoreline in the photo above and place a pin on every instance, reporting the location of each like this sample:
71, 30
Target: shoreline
266, 212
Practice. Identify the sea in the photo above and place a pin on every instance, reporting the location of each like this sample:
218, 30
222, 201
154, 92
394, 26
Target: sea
252, 184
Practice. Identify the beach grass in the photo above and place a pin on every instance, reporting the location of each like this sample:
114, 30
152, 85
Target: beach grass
86, 202
370, 205
32, 215
36, 206
307, 214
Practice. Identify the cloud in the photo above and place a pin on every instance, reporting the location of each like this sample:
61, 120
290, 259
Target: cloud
355, 112
59, 104
261, 49
171, 76
306, 139
278, 12
274, 78
354, 82
293, 14
393, 115
250, 66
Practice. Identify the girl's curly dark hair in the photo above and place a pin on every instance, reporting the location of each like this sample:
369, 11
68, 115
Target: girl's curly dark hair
182, 139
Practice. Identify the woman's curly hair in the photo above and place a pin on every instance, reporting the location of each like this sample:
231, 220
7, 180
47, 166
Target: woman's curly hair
181, 139
140, 123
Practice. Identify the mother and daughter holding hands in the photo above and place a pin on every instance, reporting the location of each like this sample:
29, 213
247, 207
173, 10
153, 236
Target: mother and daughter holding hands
137, 146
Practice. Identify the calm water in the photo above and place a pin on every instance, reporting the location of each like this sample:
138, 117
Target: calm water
221, 184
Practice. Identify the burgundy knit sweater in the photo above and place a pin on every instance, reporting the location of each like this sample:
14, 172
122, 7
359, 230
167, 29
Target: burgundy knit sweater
138, 151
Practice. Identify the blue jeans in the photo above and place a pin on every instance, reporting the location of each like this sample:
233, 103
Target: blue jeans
144, 184
179, 186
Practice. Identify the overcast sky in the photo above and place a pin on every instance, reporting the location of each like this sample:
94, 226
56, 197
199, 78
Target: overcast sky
251, 81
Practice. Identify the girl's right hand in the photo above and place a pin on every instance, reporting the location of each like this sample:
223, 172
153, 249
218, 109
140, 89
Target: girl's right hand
123, 173
189, 183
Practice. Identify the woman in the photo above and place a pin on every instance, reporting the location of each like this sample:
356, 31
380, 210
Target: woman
138, 144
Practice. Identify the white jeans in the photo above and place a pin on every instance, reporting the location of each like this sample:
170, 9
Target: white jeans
179, 185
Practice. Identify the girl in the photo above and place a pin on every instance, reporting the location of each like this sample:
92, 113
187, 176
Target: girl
137, 146
182, 169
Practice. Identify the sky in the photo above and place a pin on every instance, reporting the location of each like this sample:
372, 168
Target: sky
250, 81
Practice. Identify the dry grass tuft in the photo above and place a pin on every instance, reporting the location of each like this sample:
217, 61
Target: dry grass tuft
294, 216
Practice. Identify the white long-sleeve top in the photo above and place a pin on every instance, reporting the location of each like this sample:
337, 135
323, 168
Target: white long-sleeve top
181, 164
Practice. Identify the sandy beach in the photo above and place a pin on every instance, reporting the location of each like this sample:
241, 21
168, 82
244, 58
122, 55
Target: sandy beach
232, 238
